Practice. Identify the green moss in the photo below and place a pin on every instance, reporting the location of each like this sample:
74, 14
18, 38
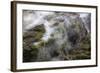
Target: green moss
85, 46
33, 35
38, 36
42, 43
49, 42
39, 28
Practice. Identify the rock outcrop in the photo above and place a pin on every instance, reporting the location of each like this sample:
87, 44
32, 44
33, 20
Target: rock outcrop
58, 36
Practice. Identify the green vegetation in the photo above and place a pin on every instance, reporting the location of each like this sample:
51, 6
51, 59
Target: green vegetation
30, 51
